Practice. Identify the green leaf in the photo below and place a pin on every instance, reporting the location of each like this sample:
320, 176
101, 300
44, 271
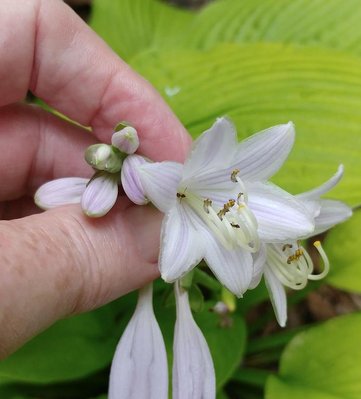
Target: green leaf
70, 349
227, 345
343, 247
130, 26
305, 22
323, 363
260, 85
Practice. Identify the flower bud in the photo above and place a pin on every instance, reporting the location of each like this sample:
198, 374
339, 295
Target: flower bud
126, 140
100, 194
130, 179
103, 157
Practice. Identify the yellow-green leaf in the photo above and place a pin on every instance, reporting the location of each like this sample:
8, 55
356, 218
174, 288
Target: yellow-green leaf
321, 363
343, 247
260, 85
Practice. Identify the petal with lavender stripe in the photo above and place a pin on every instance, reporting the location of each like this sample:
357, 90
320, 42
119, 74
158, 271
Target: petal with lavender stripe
259, 261
139, 368
130, 179
64, 191
233, 268
182, 244
277, 294
160, 182
332, 212
261, 155
280, 215
212, 149
100, 194
193, 371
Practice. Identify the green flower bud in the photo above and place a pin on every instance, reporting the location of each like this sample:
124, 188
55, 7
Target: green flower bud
104, 157
121, 125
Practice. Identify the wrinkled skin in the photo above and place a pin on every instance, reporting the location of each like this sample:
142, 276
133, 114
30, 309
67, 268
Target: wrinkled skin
57, 263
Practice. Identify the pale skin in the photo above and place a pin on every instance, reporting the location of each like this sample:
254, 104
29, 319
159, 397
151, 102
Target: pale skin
58, 263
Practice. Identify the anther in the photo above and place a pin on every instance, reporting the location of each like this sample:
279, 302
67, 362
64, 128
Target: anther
234, 175
286, 246
180, 195
206, 204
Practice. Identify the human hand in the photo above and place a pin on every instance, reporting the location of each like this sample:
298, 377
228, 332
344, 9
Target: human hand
60, 262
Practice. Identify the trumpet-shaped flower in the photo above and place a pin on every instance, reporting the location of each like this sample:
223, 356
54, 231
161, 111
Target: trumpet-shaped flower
193, 371
219, 206
288, 264
139, 368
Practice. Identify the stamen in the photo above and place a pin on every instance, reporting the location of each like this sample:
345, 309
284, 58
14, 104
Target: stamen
286, 246
298, 253
326, 262
181, 195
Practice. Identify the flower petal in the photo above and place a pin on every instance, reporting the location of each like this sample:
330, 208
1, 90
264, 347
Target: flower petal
131, 181
100, 194
67, 190
160, 181
181, 245
139, 368
261, 155
332, 213
323, 188
280, 215
277, 294
233, 268
212, 149
259, 261
193, 371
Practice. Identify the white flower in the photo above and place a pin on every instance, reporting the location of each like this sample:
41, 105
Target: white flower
97, 195
139, 368
193, 371
288, 264
218, 205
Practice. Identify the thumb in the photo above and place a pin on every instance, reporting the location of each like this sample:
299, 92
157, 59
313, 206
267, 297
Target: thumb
61, 262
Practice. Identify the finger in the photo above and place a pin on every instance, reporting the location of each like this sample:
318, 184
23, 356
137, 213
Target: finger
37, 146
65, 63
60, 262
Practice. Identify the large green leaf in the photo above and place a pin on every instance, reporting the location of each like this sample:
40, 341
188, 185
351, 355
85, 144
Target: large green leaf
130, 26
343, 247
226, 344
71, 349
260, 85
321, 363
319, 23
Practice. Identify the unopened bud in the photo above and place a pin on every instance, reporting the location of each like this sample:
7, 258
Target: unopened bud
103, 157
126, 140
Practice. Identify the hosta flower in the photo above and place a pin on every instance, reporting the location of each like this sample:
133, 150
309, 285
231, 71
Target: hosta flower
139, 368
218, 205
288, 264
193, 371
98, 194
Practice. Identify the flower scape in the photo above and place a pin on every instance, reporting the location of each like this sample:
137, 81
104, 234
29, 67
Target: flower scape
218, 207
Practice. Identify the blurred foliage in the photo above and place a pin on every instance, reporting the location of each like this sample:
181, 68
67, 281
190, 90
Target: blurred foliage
322, 363
343, 246
262, 62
